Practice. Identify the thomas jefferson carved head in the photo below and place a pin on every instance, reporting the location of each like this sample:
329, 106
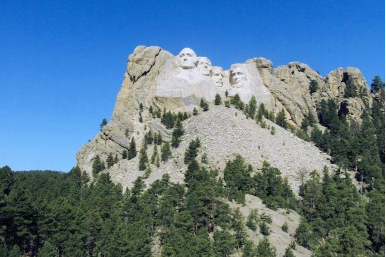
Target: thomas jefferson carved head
216, 75
188, 58
204, 65
238, 75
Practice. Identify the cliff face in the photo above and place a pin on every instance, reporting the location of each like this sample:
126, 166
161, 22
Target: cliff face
155, 78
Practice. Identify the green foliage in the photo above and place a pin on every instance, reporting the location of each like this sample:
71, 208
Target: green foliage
132, 152
158, 139
15, 251
264, 229
141, 107
195, 111
333, 207
97, 166
177, 134
166, 152
314, 86
238, 179
265, 249
168, 119
288, 252
261, 112
285, 227
110, 161
328, 113
217, 99
252, 106
149, 138
237, 102
252, 220
48, 250
273, 130
272, 189
191, 152
154, 155
226, 93
377, 84
143, 159
204, 105
308, 120
103, 123
224, 243
350, 88
140, 117
281, 119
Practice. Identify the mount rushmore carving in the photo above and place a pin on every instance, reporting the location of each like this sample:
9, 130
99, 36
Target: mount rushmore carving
158, 79
187, 75
178, 82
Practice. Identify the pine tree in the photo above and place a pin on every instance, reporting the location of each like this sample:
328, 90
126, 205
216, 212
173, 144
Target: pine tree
350, 88
143, 159
252, 107
314, 86
204, 105
177, 133
97, 166
110, 160
191, 152
168, 120
15, 251
377, 84
288, 252
132, 150
217, 100
124, 154
48, 250
265, 249
281, 119
159, 139
155, 154
264, 229
195, 111
104, 123
251, 221
166, 152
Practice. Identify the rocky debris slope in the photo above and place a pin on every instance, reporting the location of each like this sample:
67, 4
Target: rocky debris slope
224, 133
277, 238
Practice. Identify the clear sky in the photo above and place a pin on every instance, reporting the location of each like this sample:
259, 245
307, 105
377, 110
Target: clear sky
62, 62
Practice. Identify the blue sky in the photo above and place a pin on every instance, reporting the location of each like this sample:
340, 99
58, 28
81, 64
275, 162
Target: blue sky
62, 62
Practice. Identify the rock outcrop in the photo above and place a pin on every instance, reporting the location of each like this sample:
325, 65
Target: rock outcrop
155, 78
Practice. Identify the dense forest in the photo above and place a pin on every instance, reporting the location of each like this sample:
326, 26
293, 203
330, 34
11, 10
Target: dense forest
46, 213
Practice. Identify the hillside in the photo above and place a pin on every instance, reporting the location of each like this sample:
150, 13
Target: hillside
201, 161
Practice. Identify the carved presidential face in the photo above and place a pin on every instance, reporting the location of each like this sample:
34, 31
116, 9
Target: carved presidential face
217, 76
188, 58
204, 65
238, 76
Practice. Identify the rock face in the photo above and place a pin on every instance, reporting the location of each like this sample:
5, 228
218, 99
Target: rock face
155, 78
